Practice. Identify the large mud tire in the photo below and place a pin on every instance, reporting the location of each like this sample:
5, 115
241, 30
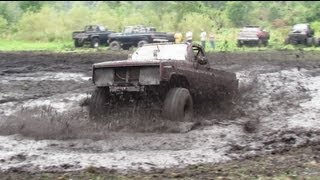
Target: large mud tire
310, 41
316, 42
265, 43
78, 43
260, 43
98, 102
95, 43
142, 43
178, 105
115, 46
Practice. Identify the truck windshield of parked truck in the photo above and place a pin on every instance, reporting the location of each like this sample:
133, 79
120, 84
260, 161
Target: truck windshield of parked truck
160, 52
102, 28
250, 29
300, 27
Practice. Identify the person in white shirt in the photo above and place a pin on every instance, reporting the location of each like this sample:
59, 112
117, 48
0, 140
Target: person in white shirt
203, 38
189, 36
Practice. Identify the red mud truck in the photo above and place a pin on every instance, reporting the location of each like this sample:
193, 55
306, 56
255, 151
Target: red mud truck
171, 78
253, 35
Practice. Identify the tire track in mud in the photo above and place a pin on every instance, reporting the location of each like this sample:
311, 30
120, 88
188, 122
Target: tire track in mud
279, 91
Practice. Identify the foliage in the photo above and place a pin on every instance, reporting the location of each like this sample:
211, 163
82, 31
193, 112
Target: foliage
3, 24
238, 12
55, 21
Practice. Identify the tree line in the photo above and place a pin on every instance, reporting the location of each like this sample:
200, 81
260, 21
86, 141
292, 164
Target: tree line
56, 20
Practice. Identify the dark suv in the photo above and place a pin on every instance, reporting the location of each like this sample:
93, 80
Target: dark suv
301, 34
95, 35
253, 35
137, 36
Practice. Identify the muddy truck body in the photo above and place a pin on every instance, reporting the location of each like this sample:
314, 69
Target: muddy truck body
171, 78
253, 35
302, 34
94, 35
137, 36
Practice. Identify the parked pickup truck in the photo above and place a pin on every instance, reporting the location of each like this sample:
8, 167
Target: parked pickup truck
137, 36
95, 35
170, 77
253, 35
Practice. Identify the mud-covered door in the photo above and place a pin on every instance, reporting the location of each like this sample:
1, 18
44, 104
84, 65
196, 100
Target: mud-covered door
203, 78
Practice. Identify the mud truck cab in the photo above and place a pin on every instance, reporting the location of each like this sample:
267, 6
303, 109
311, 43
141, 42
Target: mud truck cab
172, 77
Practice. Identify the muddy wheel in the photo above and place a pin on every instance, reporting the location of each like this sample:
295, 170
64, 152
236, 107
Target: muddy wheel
115, 46
294, 42
316, 42
309, 41
97, 108
78, 43
260, 43
142, 43
178, 105
265, 43
95, 43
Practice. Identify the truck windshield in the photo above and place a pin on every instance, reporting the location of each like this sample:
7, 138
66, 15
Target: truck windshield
250, 29
300, 27
161, 52
102, 28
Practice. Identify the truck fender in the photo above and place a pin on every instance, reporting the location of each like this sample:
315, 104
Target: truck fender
92, 37
178, 80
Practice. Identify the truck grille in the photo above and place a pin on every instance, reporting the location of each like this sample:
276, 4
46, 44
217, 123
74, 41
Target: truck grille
126, 75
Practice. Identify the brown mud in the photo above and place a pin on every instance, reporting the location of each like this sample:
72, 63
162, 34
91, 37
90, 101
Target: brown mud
44, 124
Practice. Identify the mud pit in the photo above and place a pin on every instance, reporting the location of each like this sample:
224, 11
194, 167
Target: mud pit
43, 126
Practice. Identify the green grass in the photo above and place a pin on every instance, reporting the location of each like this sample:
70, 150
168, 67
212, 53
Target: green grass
56, 46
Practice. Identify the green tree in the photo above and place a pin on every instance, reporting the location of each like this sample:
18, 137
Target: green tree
3, 24
31, 5
238, 12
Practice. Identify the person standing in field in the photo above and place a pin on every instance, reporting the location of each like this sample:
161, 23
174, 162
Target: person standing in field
189, 36
178, 37
211, 39
203, 38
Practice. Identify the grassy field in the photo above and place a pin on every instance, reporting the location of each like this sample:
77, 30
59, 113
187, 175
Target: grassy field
62, 46
68, 46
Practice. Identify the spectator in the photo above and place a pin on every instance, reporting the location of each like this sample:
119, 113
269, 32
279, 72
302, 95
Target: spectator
178, 37
211, 39
189, 36
203, 38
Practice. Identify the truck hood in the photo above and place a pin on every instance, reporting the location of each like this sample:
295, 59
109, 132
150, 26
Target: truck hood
126, 63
